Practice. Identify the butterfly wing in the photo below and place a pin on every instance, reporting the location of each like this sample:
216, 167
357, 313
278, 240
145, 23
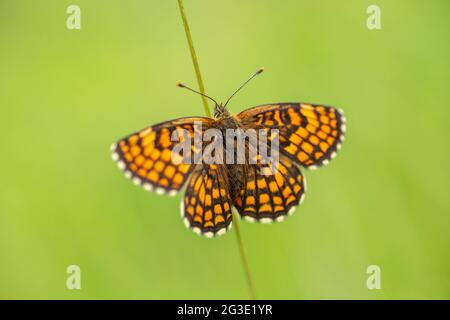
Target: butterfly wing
273, 195
309, 134
146, 156
206, 206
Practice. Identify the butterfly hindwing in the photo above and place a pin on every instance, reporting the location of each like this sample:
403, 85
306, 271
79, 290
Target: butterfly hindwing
309, 134
273, 195
146, 156
206, 206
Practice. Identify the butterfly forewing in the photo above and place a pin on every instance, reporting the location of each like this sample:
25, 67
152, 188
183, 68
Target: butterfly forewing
146, 156
309, 134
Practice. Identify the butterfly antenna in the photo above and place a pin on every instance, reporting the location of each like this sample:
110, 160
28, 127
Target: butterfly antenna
180, 85
259, 71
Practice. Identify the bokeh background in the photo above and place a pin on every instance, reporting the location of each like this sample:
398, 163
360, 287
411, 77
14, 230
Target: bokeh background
66, 95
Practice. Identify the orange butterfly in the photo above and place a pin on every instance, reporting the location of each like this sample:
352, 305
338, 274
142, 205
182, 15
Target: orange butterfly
309, 136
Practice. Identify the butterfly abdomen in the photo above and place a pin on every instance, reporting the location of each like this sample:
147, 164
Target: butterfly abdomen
235, 180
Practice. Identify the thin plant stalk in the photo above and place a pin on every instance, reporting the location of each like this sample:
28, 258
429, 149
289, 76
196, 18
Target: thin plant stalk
201, 86
248, 274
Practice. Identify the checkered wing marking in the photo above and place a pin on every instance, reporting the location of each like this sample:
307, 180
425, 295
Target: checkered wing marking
269, 197
206, 206
309, 134
146, 156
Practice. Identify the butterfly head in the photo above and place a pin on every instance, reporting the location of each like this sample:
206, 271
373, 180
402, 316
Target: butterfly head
220, 111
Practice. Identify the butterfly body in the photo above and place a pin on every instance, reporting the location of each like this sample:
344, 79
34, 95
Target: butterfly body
234, 172
309, 136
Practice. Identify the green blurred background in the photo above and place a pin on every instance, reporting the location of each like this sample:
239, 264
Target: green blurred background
66, 95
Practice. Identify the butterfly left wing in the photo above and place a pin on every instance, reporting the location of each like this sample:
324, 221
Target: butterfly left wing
146, 156
309, 134
206, 206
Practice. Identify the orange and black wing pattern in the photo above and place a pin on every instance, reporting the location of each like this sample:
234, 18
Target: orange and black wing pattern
270, 193
206, 206
310, 134
147, 159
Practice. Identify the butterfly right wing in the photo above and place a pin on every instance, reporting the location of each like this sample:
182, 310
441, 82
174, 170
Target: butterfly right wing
147, 159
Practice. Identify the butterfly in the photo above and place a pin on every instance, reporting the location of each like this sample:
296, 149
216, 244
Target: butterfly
309, 135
